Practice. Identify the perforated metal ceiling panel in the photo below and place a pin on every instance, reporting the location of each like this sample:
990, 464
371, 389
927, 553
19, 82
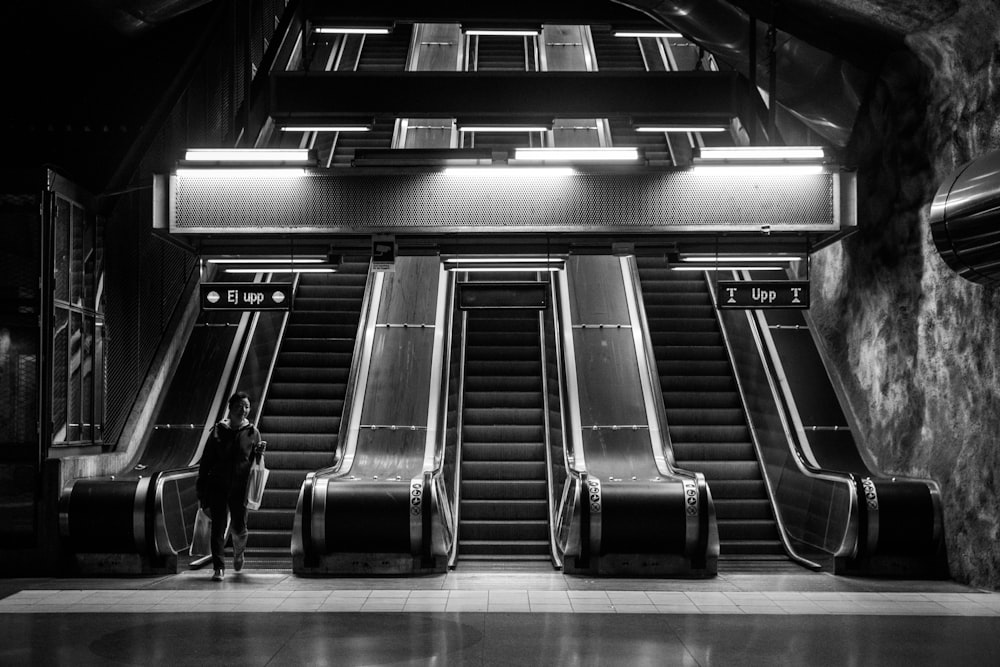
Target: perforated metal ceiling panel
361, 201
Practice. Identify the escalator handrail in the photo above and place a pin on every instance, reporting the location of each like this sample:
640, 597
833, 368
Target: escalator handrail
792, 434
663, 454
262, 399
574, 458
549, 481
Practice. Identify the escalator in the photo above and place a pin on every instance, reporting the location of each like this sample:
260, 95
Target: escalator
302, 412
705, 415
503, 511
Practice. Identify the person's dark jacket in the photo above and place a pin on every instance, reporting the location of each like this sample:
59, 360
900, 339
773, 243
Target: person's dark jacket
225, 462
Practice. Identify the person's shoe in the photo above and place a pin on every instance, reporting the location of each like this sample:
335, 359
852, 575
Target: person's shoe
218, 575
238, 562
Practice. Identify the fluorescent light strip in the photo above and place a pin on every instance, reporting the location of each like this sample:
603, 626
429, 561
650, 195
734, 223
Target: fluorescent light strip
646, 33
763, 153
247, 155
326, 128
725, 268
503, 128
280, 270
472, 268
509, 172
277, 261
577, 154
681, 128
500, 32
359, 30
508, 260
707, 259
759, 169
270, 173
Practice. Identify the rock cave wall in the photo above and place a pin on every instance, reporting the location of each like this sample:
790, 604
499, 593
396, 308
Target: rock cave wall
917, 346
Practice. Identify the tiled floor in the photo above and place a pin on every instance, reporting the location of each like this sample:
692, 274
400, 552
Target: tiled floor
497, 618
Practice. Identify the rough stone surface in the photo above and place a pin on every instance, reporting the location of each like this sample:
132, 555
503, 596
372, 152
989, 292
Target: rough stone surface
917, 346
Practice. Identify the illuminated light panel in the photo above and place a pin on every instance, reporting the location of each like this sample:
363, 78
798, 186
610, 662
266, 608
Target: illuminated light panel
352, 30
577, 154
706, 259
666, 34
763, 153
504, 260
251, 155
713, 267
510, 172
269, 173
503, 128
503, 32
277, 269
760, 169
503, 268
276, 261
326, 128
681, 128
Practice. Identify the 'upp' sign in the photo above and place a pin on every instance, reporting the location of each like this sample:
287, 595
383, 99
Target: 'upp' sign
762, 294
246, 296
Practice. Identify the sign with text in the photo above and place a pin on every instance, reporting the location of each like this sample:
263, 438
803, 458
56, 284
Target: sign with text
762, 294
246, 296
383, 252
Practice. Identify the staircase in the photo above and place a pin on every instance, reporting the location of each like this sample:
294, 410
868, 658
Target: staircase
503, 511
704, 412
301, 416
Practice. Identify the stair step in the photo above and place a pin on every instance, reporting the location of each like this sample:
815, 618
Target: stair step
506, 510
503, 531
503, 470
500, 548
503, 490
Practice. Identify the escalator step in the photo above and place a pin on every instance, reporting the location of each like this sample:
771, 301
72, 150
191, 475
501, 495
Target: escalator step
316, 375
269, 539
743, 508
504, 383
747, 529
503, 490
702, 399
679, 338
506, 352
512, 548
505, 416
480, 338
299, 424
305, 442
285, 499
705, 416
504, 531
724, 471
305, 390
317, 345
736, 489
286, 479
682, 313
297, 460
688, 367
479, 368
708, 383
513, 433
709, 433
503, 451
502, 470
507, 510
315, 359
714, 451
304, 406
690, 352
270, 519
489, 399
308, 323
682, 326
321, 330
751, 547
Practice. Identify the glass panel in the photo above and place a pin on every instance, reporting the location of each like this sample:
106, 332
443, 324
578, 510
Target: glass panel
87, 381
576, 133
89, 267
399, 377
564, 48
73, 394
76, 255
60, 250
608, 374
597, 290
428, 133
60, 342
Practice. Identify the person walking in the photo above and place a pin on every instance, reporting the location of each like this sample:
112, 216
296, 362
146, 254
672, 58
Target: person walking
222, 480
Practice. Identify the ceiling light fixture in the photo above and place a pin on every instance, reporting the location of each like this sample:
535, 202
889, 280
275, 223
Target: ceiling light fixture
248, 155
284, 270
616, 154
510, 172
241, 172
665, 34
271, 260
333, 127
761, 153
353, 30
666, 127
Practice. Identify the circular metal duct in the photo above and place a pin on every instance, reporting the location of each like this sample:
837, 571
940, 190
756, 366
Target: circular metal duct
965, 220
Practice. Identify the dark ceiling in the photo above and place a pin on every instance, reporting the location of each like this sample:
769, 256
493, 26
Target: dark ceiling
87, 72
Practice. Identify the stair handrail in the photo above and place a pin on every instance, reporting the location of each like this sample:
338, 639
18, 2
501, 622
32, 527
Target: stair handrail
551, 507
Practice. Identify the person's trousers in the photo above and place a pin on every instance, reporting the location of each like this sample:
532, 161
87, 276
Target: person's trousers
234, 506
